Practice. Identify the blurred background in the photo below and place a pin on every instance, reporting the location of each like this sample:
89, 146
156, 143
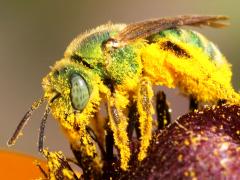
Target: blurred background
34, 34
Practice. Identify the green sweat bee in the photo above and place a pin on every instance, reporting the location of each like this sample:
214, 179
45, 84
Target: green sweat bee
117, 65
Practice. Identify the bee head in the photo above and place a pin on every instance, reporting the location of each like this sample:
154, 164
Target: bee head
76, 88
72, 95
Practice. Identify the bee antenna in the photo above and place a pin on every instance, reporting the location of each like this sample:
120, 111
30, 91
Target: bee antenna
42, 128
24, 121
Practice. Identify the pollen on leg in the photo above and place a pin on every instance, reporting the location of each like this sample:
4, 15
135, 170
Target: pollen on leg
146, 111
58, 166
118, 124
82, 141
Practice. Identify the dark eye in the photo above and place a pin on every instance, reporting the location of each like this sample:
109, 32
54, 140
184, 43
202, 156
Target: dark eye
79, 92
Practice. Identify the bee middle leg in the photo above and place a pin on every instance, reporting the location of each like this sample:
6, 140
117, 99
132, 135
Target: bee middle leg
118, 123
145, 110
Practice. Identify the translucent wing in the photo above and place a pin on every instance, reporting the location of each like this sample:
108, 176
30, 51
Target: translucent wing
146, 28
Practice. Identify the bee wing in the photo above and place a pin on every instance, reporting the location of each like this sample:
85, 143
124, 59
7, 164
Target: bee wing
146, 28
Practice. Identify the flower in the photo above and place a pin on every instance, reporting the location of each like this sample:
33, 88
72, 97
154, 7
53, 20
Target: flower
19, 166
199, 145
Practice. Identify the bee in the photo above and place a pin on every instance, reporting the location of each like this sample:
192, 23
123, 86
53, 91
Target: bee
118, 64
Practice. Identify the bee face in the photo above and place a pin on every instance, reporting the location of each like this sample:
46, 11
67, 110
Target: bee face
77, 90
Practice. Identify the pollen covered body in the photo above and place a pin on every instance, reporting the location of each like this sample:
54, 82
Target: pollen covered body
187, 60
122, 76
117, 65
111, 78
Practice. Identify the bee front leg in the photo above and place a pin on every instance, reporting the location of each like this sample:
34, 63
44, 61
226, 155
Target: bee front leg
58, 167
86, 155
145, 109
118, 123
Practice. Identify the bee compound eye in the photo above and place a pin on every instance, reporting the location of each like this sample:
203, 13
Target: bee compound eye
79, 92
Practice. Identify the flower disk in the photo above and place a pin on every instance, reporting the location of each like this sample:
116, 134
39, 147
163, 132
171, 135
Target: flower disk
200, 145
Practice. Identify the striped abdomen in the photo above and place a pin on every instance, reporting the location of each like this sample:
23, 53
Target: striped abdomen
191, 38
187, 60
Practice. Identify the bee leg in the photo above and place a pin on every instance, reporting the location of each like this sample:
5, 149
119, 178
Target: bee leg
109, 145
118, 124
133, 121
163, 110
109, 166
145, 110
84, 149
193, 103
94, 137
58, 166
86, 163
